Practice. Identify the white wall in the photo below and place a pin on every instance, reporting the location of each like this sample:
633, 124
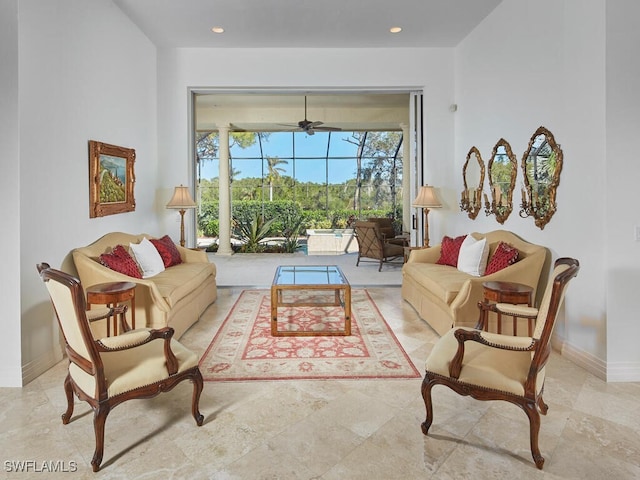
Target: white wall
85, 73
179, 69
10, 371
622, 178
543, 63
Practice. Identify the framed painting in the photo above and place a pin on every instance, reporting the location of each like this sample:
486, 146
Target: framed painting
111, 179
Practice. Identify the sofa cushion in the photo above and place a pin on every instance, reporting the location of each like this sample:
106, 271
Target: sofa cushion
167, 250
473, 255
176, 282
120, 261
442, 281
148, 258
504, 256
449, 250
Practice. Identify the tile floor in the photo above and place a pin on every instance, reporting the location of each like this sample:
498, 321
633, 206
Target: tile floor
342, 430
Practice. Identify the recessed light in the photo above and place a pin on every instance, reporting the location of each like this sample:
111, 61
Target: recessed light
395, 29
217, 30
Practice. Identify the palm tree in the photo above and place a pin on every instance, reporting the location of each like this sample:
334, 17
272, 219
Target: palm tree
274, 172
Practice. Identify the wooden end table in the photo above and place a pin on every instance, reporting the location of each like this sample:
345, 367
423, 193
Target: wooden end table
506, 292
111, 294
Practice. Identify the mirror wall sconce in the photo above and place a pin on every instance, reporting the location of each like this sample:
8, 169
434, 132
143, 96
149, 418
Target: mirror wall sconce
473, 178
541, 167
503, 168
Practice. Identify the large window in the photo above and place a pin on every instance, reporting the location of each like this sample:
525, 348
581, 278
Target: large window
331, 176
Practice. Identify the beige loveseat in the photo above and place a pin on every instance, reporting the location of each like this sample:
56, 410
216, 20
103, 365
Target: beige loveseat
175, 298
446, 297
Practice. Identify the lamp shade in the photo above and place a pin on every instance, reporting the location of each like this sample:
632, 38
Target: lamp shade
427, 198
181, 199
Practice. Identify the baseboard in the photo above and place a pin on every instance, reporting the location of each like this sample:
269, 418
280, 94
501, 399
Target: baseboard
586, 360
38, 366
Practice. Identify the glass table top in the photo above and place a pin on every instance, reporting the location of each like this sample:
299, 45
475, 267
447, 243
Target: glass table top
309, 275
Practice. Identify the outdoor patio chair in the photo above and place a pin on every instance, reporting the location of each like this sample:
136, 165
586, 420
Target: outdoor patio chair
371, 244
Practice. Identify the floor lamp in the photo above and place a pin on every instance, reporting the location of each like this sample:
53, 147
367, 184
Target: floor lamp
426, 199
181, 200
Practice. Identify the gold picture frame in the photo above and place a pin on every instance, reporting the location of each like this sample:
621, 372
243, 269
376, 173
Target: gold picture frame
111, 179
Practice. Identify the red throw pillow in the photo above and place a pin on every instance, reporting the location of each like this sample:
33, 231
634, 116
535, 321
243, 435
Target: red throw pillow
450, 250
504, 256
167, 250
120, 261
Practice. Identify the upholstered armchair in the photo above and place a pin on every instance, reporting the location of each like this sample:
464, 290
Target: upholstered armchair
139, 363
490, 366
372, 244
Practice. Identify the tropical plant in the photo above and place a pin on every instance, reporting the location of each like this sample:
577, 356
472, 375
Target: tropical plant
274, 172
292, 223
251, 232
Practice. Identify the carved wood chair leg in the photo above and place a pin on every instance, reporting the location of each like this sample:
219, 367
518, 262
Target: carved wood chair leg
380, 267
99, 419
542, 407
534, 429
427, 385
197, 390
68, 390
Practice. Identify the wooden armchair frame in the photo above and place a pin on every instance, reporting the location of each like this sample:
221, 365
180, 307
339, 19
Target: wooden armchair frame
539, 346
371, 244
84, 353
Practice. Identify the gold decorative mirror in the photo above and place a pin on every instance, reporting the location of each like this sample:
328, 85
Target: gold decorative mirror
541, 166
473, 178
503, 168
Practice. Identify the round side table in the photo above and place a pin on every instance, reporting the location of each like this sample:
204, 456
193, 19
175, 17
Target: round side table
111, 294
506, 292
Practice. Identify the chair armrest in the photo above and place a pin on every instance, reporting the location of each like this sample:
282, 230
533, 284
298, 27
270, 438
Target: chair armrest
96, 314
138, 337
493, 340
515, 310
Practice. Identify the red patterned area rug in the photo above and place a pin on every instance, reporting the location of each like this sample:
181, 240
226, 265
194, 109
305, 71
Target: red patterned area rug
244, 349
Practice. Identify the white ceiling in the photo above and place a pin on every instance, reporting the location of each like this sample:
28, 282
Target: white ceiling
307, 23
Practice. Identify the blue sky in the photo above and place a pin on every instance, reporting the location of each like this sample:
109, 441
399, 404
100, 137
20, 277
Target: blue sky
307, 166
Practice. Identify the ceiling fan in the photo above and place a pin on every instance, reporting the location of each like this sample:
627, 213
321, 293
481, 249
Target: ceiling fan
310, 127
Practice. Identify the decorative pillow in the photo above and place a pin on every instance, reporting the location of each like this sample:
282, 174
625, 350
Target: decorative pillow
450, 250
120, 261
148, 258
473, 255
167, 250
504, 256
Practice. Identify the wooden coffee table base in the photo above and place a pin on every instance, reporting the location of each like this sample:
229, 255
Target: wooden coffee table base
277, 301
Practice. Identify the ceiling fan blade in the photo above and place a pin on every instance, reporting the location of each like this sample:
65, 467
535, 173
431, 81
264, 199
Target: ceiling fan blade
328, 129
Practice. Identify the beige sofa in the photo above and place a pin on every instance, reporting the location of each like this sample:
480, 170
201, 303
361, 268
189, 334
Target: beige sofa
175, 298
446, 297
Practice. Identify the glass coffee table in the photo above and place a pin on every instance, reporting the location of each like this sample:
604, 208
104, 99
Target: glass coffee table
310, 286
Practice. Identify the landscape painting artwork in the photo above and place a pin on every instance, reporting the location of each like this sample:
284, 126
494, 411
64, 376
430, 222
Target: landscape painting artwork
111, 179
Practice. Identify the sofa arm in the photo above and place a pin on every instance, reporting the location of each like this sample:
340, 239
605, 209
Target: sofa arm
192, 256
526, 271
92, 272
425, 255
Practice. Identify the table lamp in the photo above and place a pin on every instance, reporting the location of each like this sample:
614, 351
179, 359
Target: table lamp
181, 200
426, 199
